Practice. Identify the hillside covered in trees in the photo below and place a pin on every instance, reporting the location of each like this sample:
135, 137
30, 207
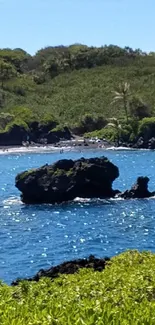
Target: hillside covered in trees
79, 87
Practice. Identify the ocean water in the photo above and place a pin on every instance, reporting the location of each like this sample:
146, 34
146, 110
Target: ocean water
40, 236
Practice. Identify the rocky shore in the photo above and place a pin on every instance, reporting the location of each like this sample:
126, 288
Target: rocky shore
38, 134
70, 267
67, 179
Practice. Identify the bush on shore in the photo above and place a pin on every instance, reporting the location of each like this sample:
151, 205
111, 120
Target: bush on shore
122, 294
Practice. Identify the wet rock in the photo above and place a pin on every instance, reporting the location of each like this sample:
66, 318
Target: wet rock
67, 179
139, 190
151, 143
71, 267
140, 144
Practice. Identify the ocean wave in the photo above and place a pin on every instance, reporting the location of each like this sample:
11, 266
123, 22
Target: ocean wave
13, 200
32, 149
125, 149
97, 200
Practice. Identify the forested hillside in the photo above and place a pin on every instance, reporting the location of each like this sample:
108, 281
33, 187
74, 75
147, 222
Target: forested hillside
70, 84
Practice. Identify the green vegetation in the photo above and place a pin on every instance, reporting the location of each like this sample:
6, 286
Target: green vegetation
147, 128
122, 294
76, 86
26, 173
117, 131
58, 172
122, 94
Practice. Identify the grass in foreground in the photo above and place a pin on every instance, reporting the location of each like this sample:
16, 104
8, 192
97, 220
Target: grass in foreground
124, 293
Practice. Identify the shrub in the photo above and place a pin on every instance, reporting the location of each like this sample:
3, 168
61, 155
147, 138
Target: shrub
23, 113
91, 123
5, 118
48, 118
19, 90
147, 128
17, 122
39, 78
122, 294
105, 133
138, 108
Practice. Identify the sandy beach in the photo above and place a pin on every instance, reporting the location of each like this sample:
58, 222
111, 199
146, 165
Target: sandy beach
61, 149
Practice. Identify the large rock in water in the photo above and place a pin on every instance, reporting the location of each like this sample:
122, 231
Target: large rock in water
139, 190
68, 179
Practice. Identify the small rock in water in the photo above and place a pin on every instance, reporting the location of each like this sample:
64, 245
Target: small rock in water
139, 190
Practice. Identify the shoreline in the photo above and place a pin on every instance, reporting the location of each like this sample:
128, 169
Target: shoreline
62, 148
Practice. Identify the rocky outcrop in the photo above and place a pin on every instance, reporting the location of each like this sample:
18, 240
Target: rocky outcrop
15, 136
144, 144
139, 190
57, 135
37, 133
140, 144
71, 267
68, 179
151, 143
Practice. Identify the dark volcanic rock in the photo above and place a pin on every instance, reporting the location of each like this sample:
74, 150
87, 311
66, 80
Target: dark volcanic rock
151, 143
68, 179
56, 136
71, 267
36, 132
140, 144
139, 190
15, 136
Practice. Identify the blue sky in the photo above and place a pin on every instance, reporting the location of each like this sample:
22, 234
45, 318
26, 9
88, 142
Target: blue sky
33, 24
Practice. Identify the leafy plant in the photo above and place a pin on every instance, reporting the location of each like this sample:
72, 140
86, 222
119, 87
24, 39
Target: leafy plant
123, 293
122, 94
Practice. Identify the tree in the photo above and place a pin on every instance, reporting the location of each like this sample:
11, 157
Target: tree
122, 94
7, 71
5, 118
138, 108
114, 123
18, 58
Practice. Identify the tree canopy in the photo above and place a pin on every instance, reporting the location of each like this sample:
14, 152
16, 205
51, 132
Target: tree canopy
70, 82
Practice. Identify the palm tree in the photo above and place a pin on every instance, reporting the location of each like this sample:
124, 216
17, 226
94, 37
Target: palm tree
123, 94
114, 123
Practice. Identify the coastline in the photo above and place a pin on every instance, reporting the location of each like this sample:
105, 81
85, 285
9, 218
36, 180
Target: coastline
63, 146
50, 149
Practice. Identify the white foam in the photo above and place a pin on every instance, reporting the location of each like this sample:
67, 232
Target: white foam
13, 200
120, 148
80, 199
126, 149
32, 149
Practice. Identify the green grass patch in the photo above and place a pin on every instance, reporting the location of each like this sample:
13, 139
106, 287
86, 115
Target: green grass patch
122, 294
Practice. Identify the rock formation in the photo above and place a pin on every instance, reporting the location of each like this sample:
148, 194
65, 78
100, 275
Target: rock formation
37, 133
70, 267
139, 190
68, 179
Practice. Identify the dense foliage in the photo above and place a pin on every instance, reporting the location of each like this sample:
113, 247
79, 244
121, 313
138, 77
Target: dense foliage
124, 293
66, 84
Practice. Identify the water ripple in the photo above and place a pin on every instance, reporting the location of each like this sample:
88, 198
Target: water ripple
34, 237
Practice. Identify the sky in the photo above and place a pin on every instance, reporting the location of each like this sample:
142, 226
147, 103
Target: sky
34, 24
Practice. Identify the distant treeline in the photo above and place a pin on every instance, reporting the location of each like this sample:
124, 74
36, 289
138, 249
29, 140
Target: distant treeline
58, 59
